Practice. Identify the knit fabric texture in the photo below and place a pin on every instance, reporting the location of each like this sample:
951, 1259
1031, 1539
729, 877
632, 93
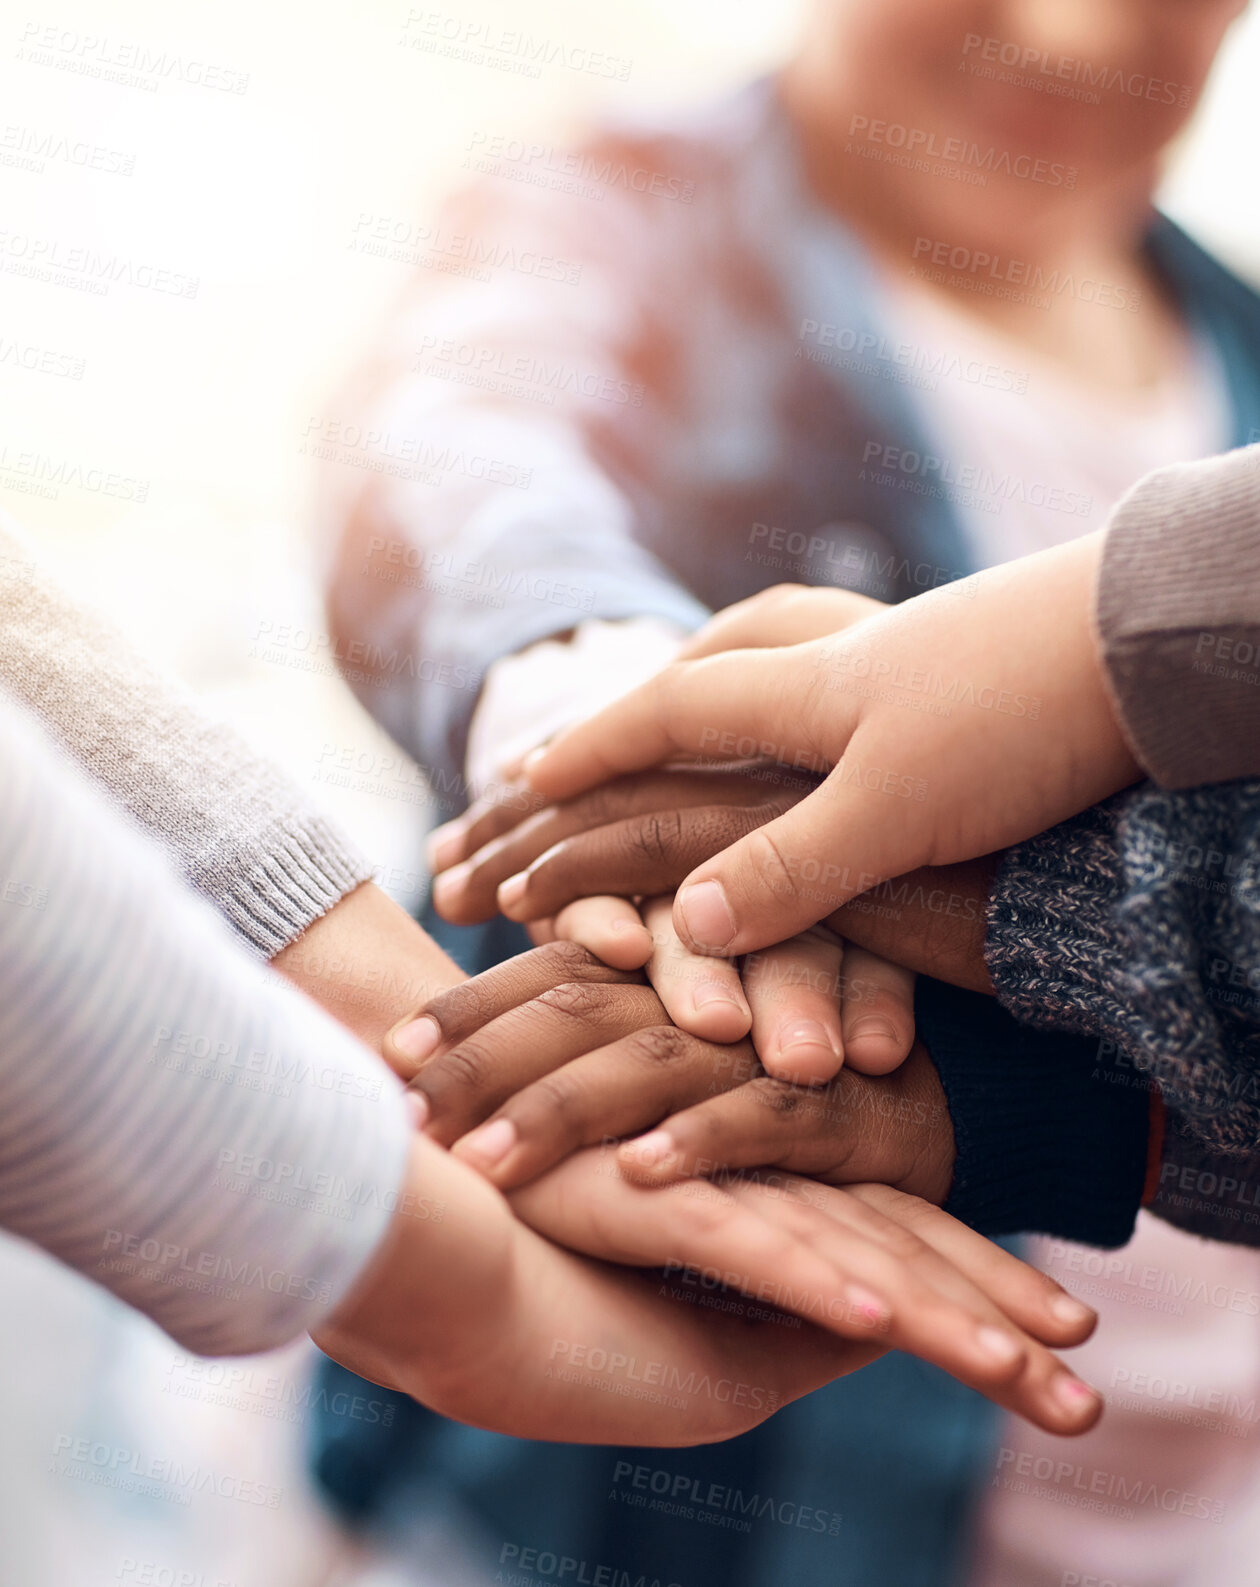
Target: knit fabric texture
238, 830
1138, 922
1044, 1141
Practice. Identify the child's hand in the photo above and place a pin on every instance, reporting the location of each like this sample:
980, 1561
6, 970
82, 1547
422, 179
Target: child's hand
961, 721
782, 614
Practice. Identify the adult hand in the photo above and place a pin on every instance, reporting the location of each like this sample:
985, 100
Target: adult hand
932, 1281
961, 721
810, 1003
553, 1051
476, 1315
485, 1320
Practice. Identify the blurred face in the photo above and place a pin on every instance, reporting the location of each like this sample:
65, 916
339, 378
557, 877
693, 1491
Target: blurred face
1102, 84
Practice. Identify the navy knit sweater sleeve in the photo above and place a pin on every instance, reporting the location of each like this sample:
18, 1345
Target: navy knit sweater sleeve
1050, 1136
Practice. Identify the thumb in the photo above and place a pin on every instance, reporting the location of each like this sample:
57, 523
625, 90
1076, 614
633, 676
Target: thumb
790, 873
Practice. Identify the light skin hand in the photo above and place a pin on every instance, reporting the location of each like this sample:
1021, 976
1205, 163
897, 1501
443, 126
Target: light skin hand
477, 1315
1022, 734
933, 1280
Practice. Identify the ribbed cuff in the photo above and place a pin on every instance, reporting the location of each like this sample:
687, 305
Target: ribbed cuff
1179, 619
293, 877
1049, 1139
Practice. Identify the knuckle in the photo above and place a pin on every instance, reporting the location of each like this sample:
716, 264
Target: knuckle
464, 1070
773, 594
557, 1096
903, 1242
582, 1000
661, 1045
570, 961
463, 1008
597, 806
782, 1099
656, 837
708, 1210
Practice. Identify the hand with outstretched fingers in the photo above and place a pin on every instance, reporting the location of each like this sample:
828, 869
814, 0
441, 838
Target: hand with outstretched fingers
877, 1267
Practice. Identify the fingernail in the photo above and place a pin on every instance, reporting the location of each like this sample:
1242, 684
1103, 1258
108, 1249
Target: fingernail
873, 1027
511, 891
1070, 1310
865, 1305
710, 992
707, 915
651, 1149
417, 1105
492, 1142
531, 760
997, 1345
418, 1039
1072, 1394
443, 844
807, 1033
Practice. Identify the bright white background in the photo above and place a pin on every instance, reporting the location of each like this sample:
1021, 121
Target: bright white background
208, 399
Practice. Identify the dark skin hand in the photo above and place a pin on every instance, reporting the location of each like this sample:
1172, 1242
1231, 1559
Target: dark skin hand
644, 834
553, 1051
639, 831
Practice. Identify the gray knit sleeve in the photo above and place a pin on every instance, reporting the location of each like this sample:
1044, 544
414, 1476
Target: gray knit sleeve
236, 829
1138, 922
1179, 619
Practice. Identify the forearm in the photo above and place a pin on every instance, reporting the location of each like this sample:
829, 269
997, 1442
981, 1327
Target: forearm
426, 594
1206, 1192
1136, 922
498, 519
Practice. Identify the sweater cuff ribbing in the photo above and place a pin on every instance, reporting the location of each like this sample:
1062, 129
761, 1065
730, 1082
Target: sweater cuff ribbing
1049, 1139
1179, 619
293, 875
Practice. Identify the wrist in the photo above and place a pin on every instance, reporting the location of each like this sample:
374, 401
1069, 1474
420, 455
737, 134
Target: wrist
367, 963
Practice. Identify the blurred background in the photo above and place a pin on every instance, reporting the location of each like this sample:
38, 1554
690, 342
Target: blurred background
180, 295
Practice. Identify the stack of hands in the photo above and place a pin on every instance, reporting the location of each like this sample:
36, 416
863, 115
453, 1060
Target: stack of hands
708, 1066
